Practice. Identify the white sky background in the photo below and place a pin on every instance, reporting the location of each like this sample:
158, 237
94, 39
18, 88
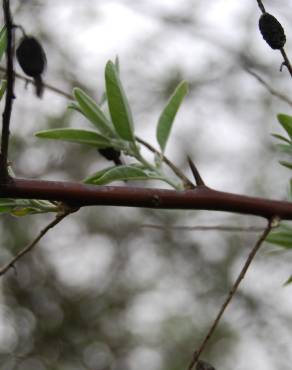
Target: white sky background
229, 144
221, 140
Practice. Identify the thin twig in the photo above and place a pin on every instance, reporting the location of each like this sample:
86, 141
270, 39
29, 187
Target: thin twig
46, 85
205, 228
31, 245
232, 291
269, 88
286, 61
187, 183
261, 6
9, 93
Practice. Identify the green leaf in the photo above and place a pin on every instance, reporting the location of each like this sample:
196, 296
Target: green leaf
168, 114
3, 41
103, 98
73, 105
92, 111
285, 148
286, 122
76, 136
288, 281
96, 175
280, 137
117, 64
118, 104
117, 173
281, 237
286, 164
6, 205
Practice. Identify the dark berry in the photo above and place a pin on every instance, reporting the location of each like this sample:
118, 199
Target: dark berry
272, 31
111, 154
32, 59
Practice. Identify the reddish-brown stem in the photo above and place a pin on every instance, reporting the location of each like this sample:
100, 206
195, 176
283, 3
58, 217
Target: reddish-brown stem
202, 197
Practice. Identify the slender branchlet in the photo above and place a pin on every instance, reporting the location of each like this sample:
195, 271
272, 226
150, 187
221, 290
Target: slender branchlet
9, 93
272, 223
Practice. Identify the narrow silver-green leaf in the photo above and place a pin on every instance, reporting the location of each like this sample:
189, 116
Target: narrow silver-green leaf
117, 173
286, 122
76, 136
282, 138
6, 209
168, 114
97, 175
286, 148
286, 164
117, 64
288, 281
282, 237
91, 110
7, 205
118, 104
73, 105
3, 41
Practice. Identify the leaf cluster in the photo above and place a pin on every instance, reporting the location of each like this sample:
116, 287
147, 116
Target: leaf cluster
116, 130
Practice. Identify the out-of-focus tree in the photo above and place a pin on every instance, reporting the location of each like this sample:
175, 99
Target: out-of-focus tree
102, 291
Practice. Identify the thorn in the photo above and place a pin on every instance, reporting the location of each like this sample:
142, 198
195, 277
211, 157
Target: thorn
195, 172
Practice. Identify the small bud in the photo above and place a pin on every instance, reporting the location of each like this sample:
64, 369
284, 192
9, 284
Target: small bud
32, 59
272, 31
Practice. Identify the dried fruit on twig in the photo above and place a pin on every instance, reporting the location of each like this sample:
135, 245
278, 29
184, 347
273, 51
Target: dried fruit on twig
111, 154
272, 31
32, 59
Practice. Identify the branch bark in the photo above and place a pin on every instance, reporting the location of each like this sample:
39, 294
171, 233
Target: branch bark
9, 94
202, 197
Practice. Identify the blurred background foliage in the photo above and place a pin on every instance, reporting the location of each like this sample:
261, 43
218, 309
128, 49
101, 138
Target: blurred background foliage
102, 291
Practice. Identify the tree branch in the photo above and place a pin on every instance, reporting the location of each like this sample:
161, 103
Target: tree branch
232, 292
9, 93
272, 91
46, 85
187, 183
202, 197
227, 228
31, 245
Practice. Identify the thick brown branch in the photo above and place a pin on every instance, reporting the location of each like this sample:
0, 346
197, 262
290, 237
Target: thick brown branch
204, 198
